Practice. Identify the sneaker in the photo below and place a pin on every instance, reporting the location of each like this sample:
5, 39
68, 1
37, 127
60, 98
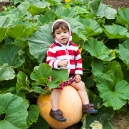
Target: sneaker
89, 108
58, 115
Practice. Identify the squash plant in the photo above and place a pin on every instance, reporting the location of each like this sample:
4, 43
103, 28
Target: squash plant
101, 32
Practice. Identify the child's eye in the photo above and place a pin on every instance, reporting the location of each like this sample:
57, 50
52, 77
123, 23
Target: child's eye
57, 33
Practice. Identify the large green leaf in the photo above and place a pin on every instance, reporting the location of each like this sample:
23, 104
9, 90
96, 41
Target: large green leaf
38, 7
77, 27
106, 11
92, 27
102, 10
40, 41
58, 76
7, 86
123, 17
54, 2
116, 31
109, 71
40, 124
10, 54
49, 16
22, 82
13, 112
2, 33
5, 21
94, 5
20, 32
123, 52
41, 73
99, 50
114, 94
80, 10
66, 12
32, 114
6, 72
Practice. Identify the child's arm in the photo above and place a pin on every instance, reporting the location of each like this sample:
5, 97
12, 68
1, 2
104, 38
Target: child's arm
53, 62
78, 62
51, 59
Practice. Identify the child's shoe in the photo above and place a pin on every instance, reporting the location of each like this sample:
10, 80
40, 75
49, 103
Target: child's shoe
58, 115
89, 108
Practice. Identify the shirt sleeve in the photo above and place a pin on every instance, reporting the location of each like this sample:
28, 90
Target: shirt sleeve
78, 62
51, 58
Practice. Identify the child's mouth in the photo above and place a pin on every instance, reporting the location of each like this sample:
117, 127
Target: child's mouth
63, 39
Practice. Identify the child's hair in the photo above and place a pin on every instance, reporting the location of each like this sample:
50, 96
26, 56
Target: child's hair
57, 25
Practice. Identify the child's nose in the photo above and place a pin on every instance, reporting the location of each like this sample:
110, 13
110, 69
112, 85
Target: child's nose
62, 34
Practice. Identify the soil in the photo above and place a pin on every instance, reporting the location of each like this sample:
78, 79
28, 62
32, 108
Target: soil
116, 3
121, 120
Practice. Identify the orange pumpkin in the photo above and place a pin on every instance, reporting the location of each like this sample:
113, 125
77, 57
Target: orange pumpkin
70, 104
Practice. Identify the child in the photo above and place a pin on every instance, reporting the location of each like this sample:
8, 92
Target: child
63, 53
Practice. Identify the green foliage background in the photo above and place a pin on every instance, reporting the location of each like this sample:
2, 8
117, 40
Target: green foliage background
101, 32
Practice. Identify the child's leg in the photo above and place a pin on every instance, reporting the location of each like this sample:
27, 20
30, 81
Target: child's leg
55, 96
55, 112
87, 107
81, 91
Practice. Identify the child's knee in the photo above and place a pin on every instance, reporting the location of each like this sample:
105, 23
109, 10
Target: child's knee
82, 85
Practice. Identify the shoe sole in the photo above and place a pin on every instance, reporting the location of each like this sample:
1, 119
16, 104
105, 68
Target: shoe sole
90, 112
58, 119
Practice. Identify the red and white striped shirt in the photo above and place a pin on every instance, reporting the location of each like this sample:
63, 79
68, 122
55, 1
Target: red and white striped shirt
70, 52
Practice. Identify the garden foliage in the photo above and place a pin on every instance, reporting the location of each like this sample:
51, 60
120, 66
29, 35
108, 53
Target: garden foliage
100, 31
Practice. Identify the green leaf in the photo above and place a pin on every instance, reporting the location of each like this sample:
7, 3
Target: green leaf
106, 11
58, 76
79, 10
40, 41
123, 17
94, 5
20, 32
41, 73
2, 33
66, 12
91, 26
10, 54
110, 71
99, 50
7, 86
40, 124
54, 2
102, 10
13, 112
37, 8
22, 82
114, 94
6, 72
32, 115
49, 16
5, 21
123, 52
77, 27
116, 31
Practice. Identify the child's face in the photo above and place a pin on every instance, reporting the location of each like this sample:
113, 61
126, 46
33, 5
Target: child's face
62, 35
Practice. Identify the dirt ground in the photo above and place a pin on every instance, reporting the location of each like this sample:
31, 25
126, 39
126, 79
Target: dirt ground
117, 3
121, 120
113, 3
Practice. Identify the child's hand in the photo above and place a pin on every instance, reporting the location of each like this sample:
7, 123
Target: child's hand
63, 63
77, 78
